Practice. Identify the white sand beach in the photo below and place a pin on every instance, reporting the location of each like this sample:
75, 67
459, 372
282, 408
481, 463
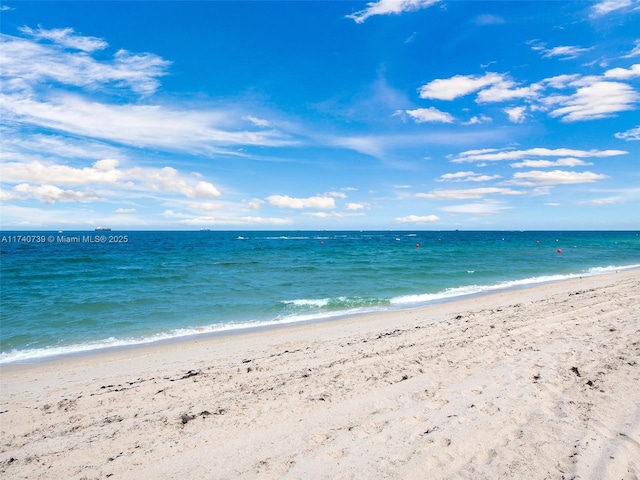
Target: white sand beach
539, 383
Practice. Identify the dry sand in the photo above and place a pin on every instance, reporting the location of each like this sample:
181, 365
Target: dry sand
536, 383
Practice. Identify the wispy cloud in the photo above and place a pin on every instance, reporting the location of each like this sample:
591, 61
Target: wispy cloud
488, 19
605, 7
492, 155
418, 219
563, 162
563, 52
466, 194
555, 177
137, 125
390, 7
635, 52
466, 177
620, 196
630, 135
28, 63
66, 37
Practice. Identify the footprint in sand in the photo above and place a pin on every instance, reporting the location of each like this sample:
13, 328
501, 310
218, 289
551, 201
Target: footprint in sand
320, 438
414, 419
380, 439
487, 456
372, 428
335, 454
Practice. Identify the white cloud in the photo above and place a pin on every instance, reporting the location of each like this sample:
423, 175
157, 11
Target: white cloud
255, 203
50, 194
168, 179
605, 7
125, 210
28, 64
593, 96
492, 87
491, 154
316, 202
355, 206
516, 114
598, 100
259, 122
66, 37
336, 194
623, 73
629, 135
136, 125
466, 194
565, 52
555, 177
389, 7
635, 52
431, 114
103, 172
476, 120
467, 177
418, 219
458, 86
507, 90
561, 81
52, 148
6, 196
488, 208
563, 162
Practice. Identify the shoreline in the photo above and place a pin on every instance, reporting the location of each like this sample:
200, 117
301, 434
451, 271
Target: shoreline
248, 327
537, 382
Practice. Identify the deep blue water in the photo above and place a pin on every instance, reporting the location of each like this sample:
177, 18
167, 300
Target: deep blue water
79, 291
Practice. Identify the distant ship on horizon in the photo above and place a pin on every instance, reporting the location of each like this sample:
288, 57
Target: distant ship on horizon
103, 229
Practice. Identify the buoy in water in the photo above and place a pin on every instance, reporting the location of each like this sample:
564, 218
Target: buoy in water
417, 245
559, 250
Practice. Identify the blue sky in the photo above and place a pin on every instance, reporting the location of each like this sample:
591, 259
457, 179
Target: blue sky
392, 114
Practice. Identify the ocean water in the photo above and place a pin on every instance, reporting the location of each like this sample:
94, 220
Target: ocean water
71, 292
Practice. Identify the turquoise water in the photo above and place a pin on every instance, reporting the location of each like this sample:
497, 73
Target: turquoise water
72, 292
